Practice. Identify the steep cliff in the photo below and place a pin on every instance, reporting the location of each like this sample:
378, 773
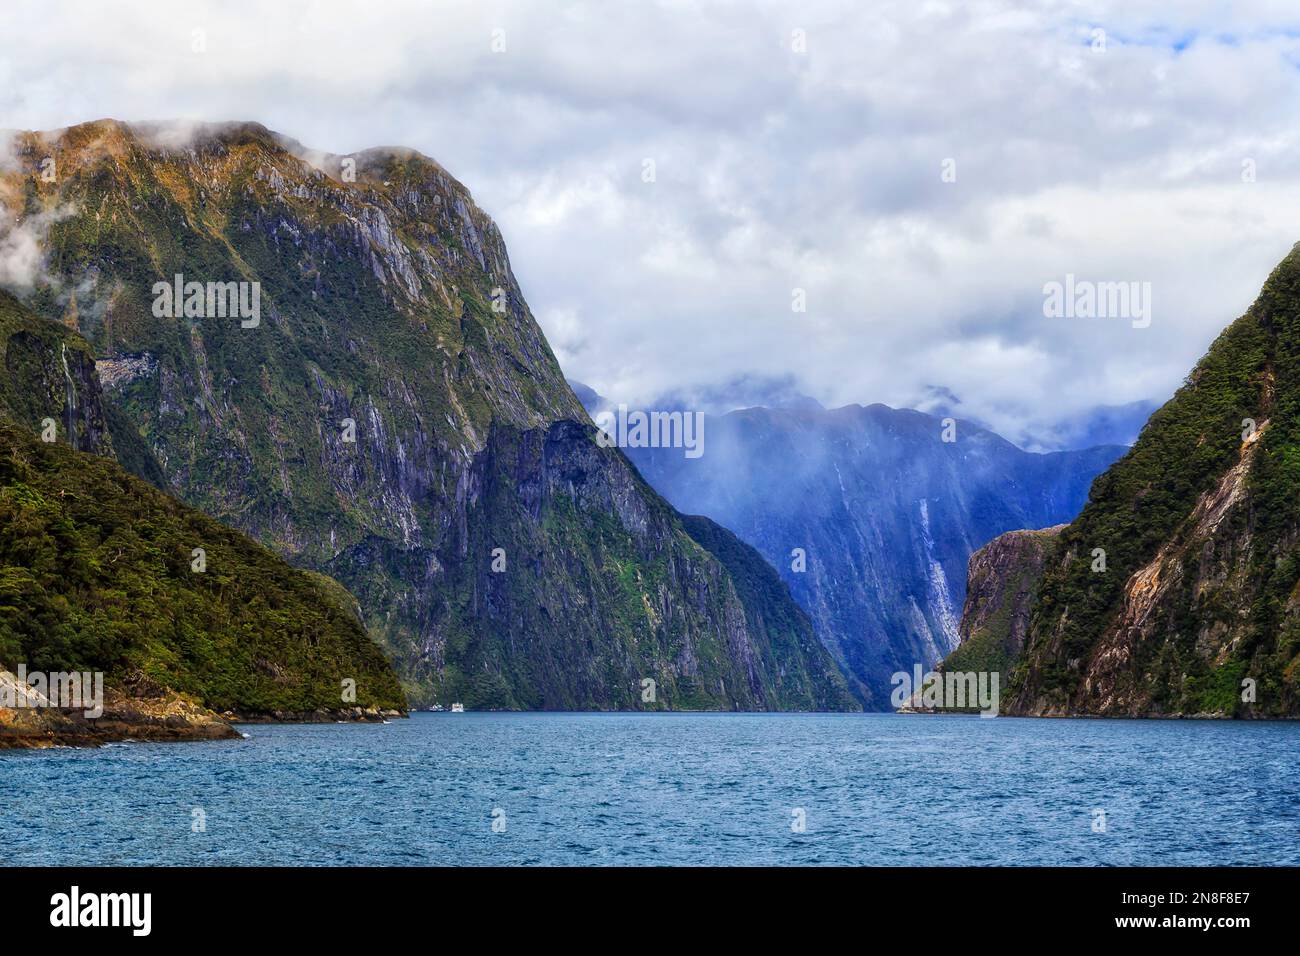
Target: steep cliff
48, 382
393, 417
870, 516
98, 573
1177, 589
797, 663
1001, 584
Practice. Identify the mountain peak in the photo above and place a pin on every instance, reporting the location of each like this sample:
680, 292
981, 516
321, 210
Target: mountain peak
394, 418
379, 167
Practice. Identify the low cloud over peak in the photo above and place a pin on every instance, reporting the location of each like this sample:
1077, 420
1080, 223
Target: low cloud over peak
862, 204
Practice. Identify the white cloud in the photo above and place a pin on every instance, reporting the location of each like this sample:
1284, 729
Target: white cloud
22, 247
777, 170
8, 152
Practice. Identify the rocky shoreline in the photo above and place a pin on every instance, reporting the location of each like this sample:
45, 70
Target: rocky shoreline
163, 718
167, 718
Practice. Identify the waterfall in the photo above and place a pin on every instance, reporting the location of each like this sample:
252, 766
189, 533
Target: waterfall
71, 401
940, 596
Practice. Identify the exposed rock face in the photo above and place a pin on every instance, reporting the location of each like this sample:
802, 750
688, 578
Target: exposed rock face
95, 576
395, 419
120, 372
1001, 584
790, 662
883, 510
1176, 592
163, 716
48, 380
602, 588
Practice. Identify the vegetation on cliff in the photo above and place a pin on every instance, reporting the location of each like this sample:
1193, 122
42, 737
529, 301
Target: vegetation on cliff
1195, 607
98, 569
1002, 583
391, 420
800, 667
97, 572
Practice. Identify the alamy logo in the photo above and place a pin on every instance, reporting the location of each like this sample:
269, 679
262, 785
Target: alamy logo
955, 690
62, 690
179, 299
1082, 299
74, 908
638, 429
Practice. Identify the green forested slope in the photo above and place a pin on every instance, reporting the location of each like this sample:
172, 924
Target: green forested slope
1197, 610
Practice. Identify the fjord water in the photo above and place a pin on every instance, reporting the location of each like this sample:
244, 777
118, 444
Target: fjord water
669, 789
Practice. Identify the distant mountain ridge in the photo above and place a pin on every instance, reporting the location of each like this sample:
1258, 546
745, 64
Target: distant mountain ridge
885, 512
1091, 428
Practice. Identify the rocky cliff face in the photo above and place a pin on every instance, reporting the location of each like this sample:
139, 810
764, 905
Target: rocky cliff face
97, 574
1176, 592
48, 382
1001, 584
393, 417
870, 516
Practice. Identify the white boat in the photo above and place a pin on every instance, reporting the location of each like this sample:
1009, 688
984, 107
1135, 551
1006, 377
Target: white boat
458, 708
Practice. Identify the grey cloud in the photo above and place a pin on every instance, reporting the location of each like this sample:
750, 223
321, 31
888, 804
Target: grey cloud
778, 170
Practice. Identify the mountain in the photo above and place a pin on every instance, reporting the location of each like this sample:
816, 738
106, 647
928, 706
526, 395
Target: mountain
1089, 428
870, 516
385, 410
1176, 591
97, 573
1001, 585
769, 607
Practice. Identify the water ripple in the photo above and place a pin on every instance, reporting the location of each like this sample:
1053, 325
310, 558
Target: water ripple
693, 789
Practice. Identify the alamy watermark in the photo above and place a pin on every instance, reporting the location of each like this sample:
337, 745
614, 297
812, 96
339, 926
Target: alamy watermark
133, 911
179, 299
950, 690
639, 429
1084, 299
62, 690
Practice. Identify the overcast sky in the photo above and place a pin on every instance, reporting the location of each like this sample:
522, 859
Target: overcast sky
794, 146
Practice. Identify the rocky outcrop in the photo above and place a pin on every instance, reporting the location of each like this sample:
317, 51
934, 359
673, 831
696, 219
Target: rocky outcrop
157, 717
1002, 581
1209, 559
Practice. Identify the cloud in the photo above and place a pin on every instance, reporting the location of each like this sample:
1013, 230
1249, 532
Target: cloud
776, 170
8, 151
22, 248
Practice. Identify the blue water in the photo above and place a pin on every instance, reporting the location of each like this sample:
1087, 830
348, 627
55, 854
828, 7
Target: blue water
669, 789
